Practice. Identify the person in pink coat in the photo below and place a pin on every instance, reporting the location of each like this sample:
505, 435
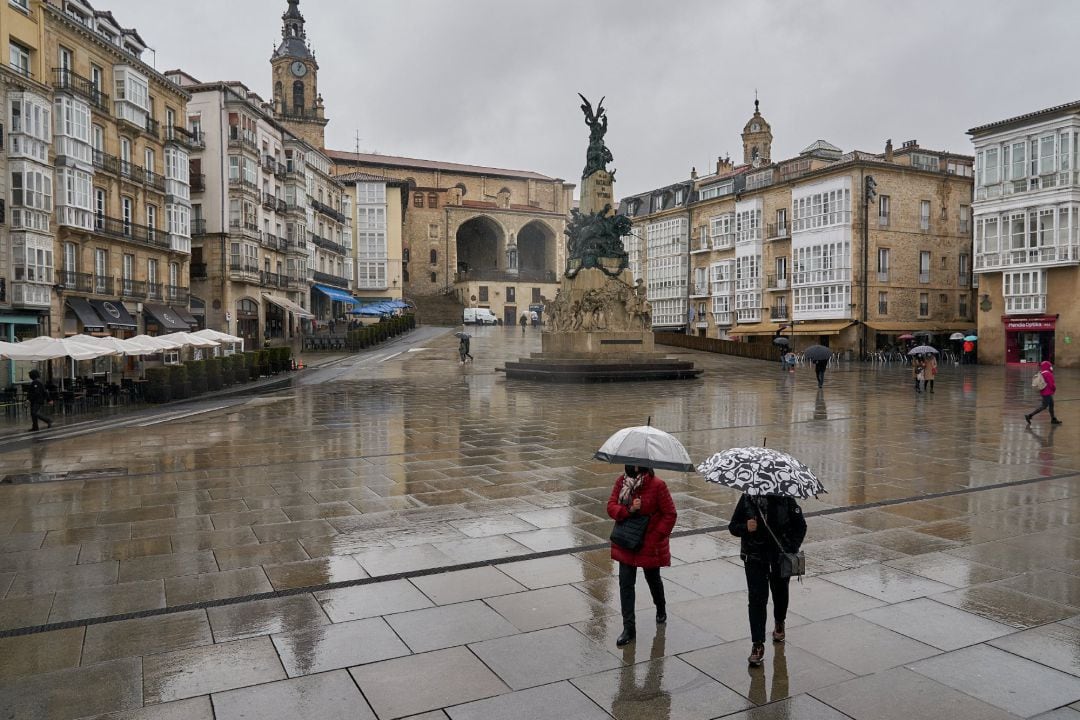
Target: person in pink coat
1047, 371
639, 492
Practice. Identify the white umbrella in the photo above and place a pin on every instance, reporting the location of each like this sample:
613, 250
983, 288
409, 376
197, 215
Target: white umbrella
645, 445
217, 335
84, 347
190, 339
155, 344
50, 348
121, 347
957, 336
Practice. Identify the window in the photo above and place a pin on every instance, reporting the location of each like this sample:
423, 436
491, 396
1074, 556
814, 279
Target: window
511, 294
1046, 155
30, 188
925, 162
963, 265
101, 269
99, 208
148, 159
97, 138
95, 77
23, 5
234, 168
536, 295
1017, 165
883, 209
883, 303
781, 268
924, 304
127, 268
19, 58
990, 171
125, 151
174, 274
434, 256
298, 97
152, 271
924, 266
432, 200
943, 299
126, 204
151, 219
883, 264
963, 305
418, 200
965, 219
924, 214
822, 209
433, 278
71, 258
483, 293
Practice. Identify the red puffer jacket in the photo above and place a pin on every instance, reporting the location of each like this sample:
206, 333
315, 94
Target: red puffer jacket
656, 502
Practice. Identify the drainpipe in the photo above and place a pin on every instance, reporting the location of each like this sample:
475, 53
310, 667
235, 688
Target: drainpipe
865, 261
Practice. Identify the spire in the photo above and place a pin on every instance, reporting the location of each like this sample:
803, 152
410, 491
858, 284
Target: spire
756, 104
293, 35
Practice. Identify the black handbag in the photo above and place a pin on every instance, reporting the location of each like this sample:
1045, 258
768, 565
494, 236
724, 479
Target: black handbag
792, 564
629, 534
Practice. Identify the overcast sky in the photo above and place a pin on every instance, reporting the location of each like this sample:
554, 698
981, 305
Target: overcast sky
494, 82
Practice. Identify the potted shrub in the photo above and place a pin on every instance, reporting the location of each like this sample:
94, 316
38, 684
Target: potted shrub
251, 360
197, 376
239, 367
225, 370
157, 385
178, 381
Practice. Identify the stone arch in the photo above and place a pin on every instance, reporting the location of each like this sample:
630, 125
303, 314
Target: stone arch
537, 248
481, 244
298, 97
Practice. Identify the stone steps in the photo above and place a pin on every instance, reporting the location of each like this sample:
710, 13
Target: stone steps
440, 310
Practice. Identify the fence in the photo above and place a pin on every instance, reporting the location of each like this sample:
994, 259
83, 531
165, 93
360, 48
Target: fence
754, 351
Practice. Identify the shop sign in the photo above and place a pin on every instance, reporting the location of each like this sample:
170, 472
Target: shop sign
1031, 325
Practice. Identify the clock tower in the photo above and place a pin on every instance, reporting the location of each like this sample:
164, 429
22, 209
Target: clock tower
757, 139
297, 103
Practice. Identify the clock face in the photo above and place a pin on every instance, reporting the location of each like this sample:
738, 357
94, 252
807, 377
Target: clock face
299, 69
755, 127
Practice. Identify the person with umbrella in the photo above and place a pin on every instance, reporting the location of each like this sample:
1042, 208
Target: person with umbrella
768, 522
463, 346
820, 356
918, 371
640, 497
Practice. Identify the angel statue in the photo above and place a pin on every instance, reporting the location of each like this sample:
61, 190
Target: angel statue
597, 156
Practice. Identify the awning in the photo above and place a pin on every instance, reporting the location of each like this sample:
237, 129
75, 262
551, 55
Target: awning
756, 329
114, 314
335, 294
911, 326
818, 328
85, 313
184, 315
164, 317
288, 305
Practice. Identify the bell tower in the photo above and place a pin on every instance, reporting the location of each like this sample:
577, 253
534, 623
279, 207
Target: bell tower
757, 139
295, 74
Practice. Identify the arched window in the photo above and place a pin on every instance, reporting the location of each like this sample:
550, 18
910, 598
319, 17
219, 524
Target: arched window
278, 90
434, 257
298, 97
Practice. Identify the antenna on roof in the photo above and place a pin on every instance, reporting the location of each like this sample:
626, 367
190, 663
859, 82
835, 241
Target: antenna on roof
358, 141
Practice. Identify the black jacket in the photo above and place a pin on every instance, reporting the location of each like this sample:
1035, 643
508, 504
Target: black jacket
36, 393
785, 519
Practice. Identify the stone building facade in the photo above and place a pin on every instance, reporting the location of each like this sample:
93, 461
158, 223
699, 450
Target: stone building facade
1027, 237
778, 246
493, 238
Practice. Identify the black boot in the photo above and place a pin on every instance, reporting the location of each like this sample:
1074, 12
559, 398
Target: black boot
629, 632
661, 614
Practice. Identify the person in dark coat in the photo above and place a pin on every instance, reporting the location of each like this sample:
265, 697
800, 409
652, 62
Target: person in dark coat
639, 491
39, 398
819, 369
761, 559
1046, 369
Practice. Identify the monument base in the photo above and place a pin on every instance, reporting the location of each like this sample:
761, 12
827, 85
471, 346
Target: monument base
600, 343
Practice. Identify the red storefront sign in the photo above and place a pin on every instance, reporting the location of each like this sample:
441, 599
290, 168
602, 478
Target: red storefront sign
1045, 323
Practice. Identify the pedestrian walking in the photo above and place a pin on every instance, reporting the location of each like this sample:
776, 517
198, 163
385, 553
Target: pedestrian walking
819, 369
918, 372
1044, 382
930, 372
639, 493
39, 398
789, 361
463, 349
535, 318
524, 322
766, 525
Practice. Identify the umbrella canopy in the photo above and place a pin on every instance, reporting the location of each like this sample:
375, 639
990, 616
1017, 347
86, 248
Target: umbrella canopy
190, 339
971, 338
645, 445
116, 345
780, 341
922, 350
217, 335
761, 471
462, 335
155, 344
817, 353
50, 348
906, 336
956, 336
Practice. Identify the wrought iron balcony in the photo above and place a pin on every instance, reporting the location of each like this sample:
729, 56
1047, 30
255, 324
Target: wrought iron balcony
329, 245
182, 136
197, 182
328, 211
177, 295
296, 246
779, 312
334, 280
124, 230
198, 271
127, 170
155, 291
775, 231
242, 139
271, 279
497, 275
132, 288
198, 227
65, 80
75, 281
772, 282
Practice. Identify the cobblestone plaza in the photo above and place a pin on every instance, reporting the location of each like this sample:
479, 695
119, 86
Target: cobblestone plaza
396, 535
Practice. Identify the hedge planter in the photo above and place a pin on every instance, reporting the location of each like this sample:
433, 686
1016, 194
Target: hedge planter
178, 381
158, 389
213, 374
197, 376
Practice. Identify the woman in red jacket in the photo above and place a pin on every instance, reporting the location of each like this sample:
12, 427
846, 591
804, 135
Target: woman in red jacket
639, 491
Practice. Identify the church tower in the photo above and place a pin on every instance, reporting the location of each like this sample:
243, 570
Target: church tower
297, 102
757, 139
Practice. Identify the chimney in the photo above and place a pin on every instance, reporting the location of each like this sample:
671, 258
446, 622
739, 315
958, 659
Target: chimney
910, 144
888, 150
693, 173
723, 165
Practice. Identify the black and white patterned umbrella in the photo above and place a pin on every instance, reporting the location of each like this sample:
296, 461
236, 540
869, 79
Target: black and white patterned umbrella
761, 471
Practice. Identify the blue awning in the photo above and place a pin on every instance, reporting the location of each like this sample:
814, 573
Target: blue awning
335, 294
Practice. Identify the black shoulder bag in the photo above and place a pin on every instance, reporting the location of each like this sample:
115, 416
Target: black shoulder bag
629, 534
791, 564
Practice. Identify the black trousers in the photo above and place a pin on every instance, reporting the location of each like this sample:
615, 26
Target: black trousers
36, 414
1047, 404
627, 580
820, 372
761, 577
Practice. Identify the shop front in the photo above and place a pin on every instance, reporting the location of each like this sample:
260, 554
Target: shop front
1029, 339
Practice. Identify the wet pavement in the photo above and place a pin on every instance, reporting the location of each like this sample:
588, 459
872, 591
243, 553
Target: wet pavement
315, 550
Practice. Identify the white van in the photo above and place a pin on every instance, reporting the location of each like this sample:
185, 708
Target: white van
479, 316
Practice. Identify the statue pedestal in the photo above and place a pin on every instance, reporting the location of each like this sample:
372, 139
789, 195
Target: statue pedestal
597, 190
598, 330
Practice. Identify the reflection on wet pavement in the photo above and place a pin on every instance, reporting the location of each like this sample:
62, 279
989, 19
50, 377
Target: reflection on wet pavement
393, 471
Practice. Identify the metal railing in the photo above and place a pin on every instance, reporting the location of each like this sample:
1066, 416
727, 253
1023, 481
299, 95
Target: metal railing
777, 230
496, 275
132, 288
779, 312
198, 270
197, 182
329, 245
1062, 254
126, 230
328, 211
772, 282
328, 279
64, 79
177, 294
198, 227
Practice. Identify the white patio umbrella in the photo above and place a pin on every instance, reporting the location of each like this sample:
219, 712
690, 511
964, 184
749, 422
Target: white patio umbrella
122, 347
50, 348
217, 335
190, 339
155, 344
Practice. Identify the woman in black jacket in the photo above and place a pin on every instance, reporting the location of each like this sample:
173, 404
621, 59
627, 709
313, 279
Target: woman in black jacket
761, 559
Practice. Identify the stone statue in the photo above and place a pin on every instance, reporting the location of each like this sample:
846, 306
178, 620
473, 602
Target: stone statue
597, 156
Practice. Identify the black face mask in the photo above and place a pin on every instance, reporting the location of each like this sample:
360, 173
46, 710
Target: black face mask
630, 471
